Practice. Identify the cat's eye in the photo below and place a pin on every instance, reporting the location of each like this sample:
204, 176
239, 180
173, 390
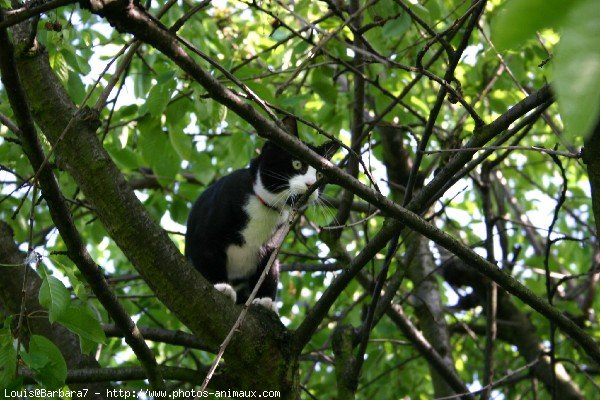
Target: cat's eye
319, 175
297, 164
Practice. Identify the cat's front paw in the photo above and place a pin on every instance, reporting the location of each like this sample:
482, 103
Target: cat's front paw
267, 303
227, 290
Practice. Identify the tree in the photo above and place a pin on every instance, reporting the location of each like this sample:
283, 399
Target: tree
454, 252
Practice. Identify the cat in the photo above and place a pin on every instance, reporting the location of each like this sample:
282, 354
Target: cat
231, 225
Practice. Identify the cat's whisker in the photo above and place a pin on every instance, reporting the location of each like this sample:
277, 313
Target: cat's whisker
282, 197
284, 186
274, 175
328, 212
329, 216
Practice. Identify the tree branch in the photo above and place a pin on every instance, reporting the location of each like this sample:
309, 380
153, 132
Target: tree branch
129, 374
11, 279
132, 18
418, 204
180, 286
396, 314
61, 215
13, 17
178, 338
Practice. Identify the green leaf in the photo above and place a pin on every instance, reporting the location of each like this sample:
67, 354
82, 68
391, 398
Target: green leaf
577, 70
79, 318
125, 158
294, 101
8, 356
35, 361
128, 110
70, 271
519, 20
237, 149
70, 58
182, 143
383, 9
323, 85
157, 151
46, 362
202, 168
159, 96
75, 88
54, 296
435, 9
396, 27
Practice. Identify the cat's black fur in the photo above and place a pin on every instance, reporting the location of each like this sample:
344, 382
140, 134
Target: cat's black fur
215, 241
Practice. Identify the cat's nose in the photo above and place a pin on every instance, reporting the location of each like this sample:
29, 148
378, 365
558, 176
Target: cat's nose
309, 183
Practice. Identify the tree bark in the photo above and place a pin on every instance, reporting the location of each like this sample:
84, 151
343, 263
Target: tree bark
11, 283
262, 339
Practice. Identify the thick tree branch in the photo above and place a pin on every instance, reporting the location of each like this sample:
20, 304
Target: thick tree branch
342, 342
175, 282
61, 215
130, 17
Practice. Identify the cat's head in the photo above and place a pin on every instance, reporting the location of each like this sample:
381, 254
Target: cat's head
281, 178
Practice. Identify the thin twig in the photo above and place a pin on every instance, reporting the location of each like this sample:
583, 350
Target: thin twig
4, 120
493, 384
31, 257
525, 148
549, 292
13, 17
377, 212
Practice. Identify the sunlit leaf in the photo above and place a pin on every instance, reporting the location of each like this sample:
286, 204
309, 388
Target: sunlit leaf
54, 296
518, 20
577, 70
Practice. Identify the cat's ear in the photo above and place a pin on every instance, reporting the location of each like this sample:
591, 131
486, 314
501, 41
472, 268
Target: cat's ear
291, 125
328, 149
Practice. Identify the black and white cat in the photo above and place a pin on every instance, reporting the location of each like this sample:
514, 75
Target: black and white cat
232, 223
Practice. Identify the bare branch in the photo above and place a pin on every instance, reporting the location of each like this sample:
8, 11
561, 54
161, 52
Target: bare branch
13, 17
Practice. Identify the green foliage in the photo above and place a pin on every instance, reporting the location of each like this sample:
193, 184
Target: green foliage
76, 316
8, 355
519, 20
577, 58
577, 69
54, 296
46, 362
81, 320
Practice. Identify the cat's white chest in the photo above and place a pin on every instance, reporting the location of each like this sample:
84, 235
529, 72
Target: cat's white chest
262, 222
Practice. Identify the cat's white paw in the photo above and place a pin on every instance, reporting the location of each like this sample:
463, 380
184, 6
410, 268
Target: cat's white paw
267, 303
227, 290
